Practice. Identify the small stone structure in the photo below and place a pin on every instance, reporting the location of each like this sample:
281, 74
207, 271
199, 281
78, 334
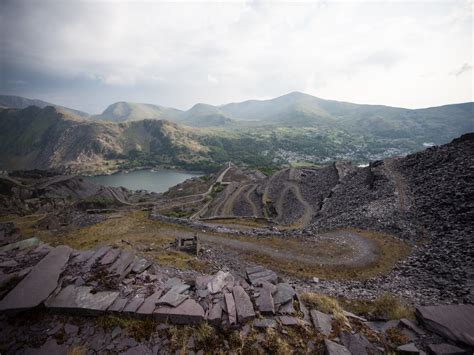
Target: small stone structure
189, 245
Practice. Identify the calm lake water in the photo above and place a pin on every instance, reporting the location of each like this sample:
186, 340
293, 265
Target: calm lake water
151, 180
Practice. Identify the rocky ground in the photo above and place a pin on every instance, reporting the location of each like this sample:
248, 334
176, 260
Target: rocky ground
422, 203
111, 301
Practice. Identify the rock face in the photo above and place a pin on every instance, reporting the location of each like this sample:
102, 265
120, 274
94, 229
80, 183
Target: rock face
39, 283
455, 322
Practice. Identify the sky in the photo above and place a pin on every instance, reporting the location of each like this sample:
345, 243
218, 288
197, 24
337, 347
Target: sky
87, 55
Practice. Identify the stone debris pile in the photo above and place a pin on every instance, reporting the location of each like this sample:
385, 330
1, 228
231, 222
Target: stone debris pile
114, 281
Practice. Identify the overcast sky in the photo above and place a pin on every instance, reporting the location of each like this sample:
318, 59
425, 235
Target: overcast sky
87, 55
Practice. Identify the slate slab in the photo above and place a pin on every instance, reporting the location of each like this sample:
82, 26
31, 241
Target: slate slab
149, 304
140, 265
358, 344
265, 302
121, 266
408, 349
172, 299
265, 275
118, 305
264, 323
230, 307
287, 308
333, 348
243, 304
446, 349
81, 300
39, 283
134, 304
188, 312
99, 253
284, 293
322, 322
289, 321
215, 313
454, 322
110, 256
219, 281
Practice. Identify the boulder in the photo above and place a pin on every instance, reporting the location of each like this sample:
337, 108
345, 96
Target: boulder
188, 312
39, 283
243, 304
454, 322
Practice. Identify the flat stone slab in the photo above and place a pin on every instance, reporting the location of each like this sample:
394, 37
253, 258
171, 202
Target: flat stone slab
172, 299
265, 302
121, 266
322, 322
289, 321
265, 275
39, 283
357, 344
284, 293
99, 253
230, 307
243, 304
149, 304
118, 305
287, 308
140, 265
134, 304
215, 313
454, 322
81, 299
408, 349
110, 256
219, 281
22, 244
264, 323
446, 349
188, 312
333, 348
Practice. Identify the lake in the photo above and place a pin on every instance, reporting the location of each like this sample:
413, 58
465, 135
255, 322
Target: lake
158, 180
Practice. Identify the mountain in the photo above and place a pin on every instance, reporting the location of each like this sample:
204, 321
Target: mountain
8, 101
131, 111
48, 138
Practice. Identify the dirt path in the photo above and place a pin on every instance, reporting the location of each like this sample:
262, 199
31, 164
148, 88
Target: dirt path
400, 185
265, 198
359, 250
249, 200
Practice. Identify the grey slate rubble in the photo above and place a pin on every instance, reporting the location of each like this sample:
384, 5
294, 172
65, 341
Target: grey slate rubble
39, 283
454, 322
446, 349
333, 348
231, 302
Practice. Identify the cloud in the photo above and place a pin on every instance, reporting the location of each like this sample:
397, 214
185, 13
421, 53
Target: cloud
94, 53
466, 67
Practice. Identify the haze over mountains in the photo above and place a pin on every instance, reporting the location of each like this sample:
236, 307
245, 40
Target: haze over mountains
294, 128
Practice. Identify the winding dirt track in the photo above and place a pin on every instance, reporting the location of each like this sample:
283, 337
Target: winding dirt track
249, 200
362, 251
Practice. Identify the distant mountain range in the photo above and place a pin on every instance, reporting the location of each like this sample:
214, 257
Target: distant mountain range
294, 128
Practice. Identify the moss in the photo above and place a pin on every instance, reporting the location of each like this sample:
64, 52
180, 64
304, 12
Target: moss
395, 337
327, 305
77, 350
276, 344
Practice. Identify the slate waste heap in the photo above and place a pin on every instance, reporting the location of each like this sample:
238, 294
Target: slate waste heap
109, 280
